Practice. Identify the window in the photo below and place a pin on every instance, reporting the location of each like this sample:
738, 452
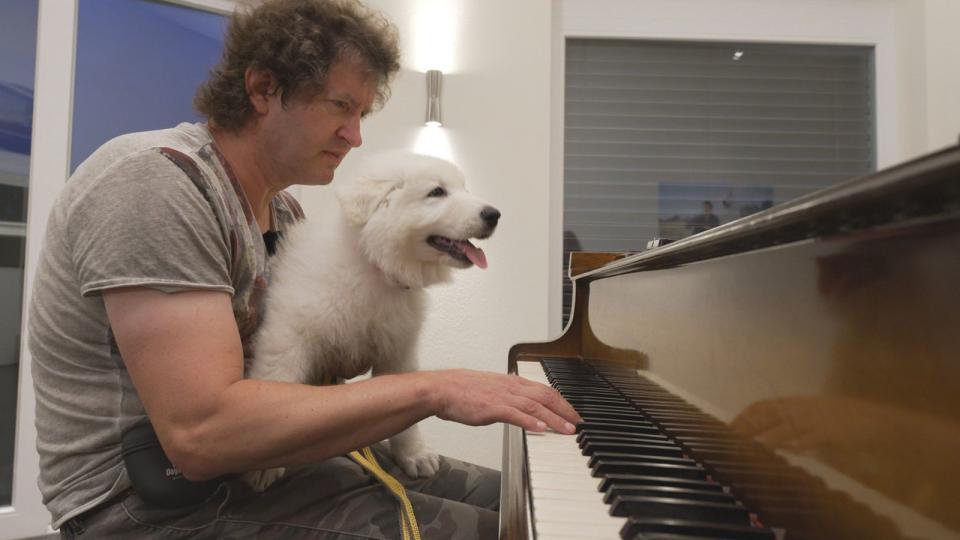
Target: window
18, 42
667, 139
138, 66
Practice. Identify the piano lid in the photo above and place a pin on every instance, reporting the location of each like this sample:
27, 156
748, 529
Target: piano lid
925, 187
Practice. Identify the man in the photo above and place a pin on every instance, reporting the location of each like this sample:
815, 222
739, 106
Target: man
149, 289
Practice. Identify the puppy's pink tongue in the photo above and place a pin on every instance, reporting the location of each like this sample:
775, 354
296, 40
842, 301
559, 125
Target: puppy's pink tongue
474, 253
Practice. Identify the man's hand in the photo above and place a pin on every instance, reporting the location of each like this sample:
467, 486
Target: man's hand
479, 398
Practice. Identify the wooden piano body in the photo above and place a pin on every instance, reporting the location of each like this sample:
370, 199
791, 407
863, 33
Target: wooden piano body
830, 324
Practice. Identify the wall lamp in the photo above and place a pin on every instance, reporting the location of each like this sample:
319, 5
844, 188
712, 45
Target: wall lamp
433, 98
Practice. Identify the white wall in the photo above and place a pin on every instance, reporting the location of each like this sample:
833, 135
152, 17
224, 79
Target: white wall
496, 114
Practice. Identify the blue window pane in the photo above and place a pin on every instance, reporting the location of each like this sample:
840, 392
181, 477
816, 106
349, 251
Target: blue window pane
139, 64
18, 44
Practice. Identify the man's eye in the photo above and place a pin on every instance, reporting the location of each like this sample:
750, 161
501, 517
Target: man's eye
437, 192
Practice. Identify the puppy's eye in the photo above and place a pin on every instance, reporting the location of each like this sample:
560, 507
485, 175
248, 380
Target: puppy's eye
437, 192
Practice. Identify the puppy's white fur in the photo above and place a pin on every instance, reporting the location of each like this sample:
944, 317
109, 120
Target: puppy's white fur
346, 291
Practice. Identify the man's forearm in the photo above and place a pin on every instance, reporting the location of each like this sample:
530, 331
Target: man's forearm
261, 424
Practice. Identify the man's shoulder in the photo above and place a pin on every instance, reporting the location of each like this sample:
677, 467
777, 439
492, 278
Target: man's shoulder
184, 138
142, 164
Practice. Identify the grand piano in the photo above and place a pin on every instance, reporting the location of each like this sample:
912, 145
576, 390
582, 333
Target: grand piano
791, 375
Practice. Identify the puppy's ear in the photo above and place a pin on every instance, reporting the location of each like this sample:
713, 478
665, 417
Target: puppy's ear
361, 198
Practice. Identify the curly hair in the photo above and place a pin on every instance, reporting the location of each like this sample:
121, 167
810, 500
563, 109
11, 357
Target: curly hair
298, 41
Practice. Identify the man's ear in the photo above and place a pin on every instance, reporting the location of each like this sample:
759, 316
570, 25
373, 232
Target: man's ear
360, 198
261, 85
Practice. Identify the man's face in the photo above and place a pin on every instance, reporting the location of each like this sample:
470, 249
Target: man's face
305, 141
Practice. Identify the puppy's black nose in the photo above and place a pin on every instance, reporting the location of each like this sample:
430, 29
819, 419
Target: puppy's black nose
490, 215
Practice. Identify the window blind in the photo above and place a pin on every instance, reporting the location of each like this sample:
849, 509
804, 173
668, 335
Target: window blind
655, 130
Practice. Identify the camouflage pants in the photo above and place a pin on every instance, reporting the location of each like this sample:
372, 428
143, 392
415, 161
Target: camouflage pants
333, 499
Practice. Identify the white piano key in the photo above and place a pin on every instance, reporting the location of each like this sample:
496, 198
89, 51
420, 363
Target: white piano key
564, 494
566, 501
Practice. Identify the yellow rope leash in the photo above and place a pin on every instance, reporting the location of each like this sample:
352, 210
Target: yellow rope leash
408, 521
365, 458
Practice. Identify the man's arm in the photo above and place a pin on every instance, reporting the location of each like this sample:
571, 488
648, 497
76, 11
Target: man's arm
184, 355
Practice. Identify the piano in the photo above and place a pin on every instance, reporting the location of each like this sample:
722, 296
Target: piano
791, 375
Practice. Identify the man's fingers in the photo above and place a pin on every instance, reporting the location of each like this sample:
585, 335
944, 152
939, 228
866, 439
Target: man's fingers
514, 416
532, 408
553, 400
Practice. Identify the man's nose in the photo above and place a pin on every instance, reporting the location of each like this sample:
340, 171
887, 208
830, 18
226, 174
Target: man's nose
350, 132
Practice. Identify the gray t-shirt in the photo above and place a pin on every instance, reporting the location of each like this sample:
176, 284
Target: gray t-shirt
158, 209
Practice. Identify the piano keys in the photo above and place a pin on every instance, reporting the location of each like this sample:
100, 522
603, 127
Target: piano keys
791, 375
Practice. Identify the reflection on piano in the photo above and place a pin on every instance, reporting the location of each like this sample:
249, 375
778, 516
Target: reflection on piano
790, 375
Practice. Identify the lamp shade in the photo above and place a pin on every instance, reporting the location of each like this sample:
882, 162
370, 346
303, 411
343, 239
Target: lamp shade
433, 97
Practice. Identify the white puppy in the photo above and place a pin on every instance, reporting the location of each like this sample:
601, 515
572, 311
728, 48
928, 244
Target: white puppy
346, 292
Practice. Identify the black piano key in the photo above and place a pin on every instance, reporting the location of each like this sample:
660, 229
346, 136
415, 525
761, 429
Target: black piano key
615, 402
675, 422
587, 390
599, 457
640, 387
721, 497
663, 408
585, 383
616, 436
667, 450
593, 417
628, 412
638, 526
599, 414
573, 394
611, 481
621, 426
653, 397
649, 392
613, 417
605, 467
567, 366
682, 410
679, 415
663, 507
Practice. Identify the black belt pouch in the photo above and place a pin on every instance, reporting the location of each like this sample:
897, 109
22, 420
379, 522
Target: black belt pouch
154, 478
